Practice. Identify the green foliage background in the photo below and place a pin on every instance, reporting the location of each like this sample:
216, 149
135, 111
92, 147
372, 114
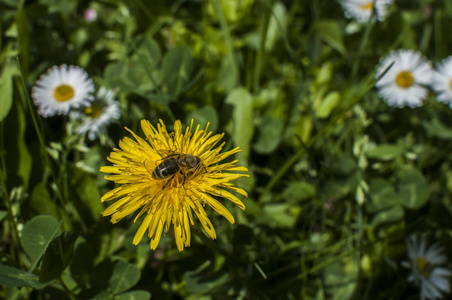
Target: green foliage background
338, 180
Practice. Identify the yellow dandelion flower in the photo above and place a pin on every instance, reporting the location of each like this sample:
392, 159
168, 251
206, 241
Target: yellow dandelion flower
169, 176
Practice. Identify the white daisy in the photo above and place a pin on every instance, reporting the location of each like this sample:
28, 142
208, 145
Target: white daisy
426, 268
362, 10
61, 89
102, 112
404, 83
442, 81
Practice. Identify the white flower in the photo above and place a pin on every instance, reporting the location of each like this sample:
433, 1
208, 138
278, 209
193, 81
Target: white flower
442, 81
426, 271
404, 83
362, 10
61, 89
102, 112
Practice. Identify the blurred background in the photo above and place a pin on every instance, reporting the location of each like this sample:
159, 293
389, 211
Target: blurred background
339, 179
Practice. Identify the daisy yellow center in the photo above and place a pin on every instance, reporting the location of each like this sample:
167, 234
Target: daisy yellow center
367, 6
422, 266
63, 92
405, 79
94, 111
450, 83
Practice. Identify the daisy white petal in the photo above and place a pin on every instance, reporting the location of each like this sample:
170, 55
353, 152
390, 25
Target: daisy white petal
404, 77
426, 269
442, 81
96, 118
61, 89
362, 10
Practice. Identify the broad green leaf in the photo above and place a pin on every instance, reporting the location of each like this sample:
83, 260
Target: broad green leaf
280, 214
270, 135
3, 214
298, 191
204, 115
124, 277
412, 188
392, 214
327, 104
58, 256
148, 52
19, 161
86, 195
228, 74
242, 121
37, 235
131, 77
42, 203
14, 277
134, 295
330, 32
437, 129
277, 25
6, 92
385, 152
56, 6
178, 67
197, 282
382, 195
340, 278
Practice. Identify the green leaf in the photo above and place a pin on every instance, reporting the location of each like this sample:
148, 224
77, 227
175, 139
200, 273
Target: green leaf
197, 282
270, 135
330, 32
437, 129
134, 295
385, 152
328, 103
412, 188
42, 203
37, 235
298, 191
13, 277
6, 92
130, 77
124, 277
204, 115
382, 195
58, 256
393, 214
277, 25
228, 74
242, 121
86, 195
178, 67
280, 214
3, 214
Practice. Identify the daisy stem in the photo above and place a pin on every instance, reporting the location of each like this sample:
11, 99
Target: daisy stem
363, 44
8, 202
37, 125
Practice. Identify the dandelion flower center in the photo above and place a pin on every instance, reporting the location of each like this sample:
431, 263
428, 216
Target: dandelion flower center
367, 6
63, 92
94, 111
422, 266
405, 79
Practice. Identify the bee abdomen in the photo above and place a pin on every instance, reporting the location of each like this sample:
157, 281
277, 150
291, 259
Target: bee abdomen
166, 169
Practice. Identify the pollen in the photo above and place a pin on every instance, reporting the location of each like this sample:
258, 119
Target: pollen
405, 79
94, 111
422, 266
367, 6
63, 93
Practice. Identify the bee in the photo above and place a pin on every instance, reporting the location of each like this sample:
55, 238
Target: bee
184, 163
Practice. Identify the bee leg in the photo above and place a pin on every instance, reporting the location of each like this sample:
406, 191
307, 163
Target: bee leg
168, 182
183, 174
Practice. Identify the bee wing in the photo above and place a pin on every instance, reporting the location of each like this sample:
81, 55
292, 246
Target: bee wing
164, 154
